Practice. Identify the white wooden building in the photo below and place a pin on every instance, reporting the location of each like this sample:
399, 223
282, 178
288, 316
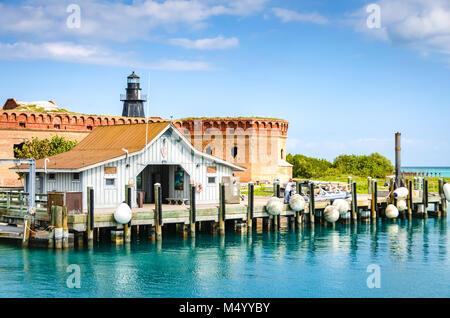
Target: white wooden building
140, 155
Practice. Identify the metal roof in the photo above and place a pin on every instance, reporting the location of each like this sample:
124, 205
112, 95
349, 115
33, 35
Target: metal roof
108, 143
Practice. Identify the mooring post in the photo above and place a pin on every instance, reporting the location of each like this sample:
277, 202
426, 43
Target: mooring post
425, 198
192, 210
410, 198
26, 230
51, 233
59, 228
374, 200
127, 227
398, 160
158, 212
90, 216
354, 201
311, 203
443, 199
349, 183
369, 185
65, 226
250, 205
391, 190
222, 209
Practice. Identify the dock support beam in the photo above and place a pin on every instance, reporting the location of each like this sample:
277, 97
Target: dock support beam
373, 210
398, 160
354, 201
425, 198
192, 210
311, 203
90, 216
127, 227
158, 212
59, 228
251, 205
410, 198
222, 209
65, 240
443, 199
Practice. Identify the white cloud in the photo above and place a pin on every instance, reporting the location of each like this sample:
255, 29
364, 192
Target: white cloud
116, 21
89, 54
286, 15
422, 25
217, 43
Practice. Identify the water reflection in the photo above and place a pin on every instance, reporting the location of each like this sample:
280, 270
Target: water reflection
309, 261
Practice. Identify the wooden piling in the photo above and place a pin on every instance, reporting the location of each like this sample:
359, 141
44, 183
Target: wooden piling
276, 189
425, 198
222, 209
374, 200
391, 190
410, 198
354, 201
90, 216
443, 199
26, 231
250, 205
59, 228
311, 203
117, 237
127, 227
369, 185
51, 234
192, 210
65, 226
158, 212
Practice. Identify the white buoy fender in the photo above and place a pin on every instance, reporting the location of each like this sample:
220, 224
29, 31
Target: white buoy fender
391, 211
447, 191
297, 203
331, 214
274, 206
123, 214
342, 206
401, 205
401, 193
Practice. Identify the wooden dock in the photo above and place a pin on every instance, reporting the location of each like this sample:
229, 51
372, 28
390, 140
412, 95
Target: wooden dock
59, 229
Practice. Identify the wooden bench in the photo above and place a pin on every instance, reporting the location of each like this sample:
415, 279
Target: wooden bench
179, 201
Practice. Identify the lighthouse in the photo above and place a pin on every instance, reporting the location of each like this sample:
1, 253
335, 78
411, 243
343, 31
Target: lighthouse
133, 100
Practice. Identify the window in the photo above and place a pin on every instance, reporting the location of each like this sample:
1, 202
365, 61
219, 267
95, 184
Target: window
234, 152
22, 125
110, 182
76, 177
51, 177
282, 154
211, 180
89, 127
57, 126
208, 150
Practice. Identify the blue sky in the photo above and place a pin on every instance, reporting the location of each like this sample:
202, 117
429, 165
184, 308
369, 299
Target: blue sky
344, 87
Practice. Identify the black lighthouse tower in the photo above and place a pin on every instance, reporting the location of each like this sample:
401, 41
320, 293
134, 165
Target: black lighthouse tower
133, 101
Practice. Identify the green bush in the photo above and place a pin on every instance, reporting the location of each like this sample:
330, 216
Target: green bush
374, 165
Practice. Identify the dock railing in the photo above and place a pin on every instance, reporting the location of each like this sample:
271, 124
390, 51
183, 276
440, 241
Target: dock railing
17, 201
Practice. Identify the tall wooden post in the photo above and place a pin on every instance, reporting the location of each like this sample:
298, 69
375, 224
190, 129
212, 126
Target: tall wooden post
443, 199
192, 210
369, 185
398, 160
222, 209
90, 216
349, 182
51, 234
65, 226
354, 201
127, 227
392, 183
26, 230
311, 203
59, 228
250, 204
158, 212
425, 198
410, 198
374, 200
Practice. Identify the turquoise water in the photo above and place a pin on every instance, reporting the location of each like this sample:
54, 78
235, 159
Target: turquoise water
413, 257
443, 171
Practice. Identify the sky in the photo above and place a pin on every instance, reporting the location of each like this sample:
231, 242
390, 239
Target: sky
346, 74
